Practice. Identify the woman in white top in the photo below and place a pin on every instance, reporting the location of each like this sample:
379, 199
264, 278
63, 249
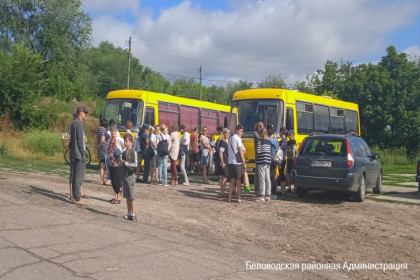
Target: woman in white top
174, 152
183, 151
163, 155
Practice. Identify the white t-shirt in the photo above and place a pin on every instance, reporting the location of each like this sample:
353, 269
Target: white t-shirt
233, 147
153, 140
186, 137
204, 151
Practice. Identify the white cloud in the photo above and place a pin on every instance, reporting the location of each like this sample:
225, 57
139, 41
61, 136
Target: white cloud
253, 39
413, 53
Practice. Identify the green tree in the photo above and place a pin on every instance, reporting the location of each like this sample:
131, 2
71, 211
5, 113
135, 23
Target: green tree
185, 87
21, 83
57, 30
232, 87
272, 82
403, 99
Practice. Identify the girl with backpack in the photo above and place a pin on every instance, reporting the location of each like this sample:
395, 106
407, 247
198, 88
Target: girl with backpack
163, 142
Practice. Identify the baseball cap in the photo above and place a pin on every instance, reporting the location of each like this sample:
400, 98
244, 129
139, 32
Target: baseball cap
146, 125
117, 154
291, 131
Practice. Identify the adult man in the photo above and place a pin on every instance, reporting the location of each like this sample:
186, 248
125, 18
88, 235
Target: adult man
236, 162
77, 153
205, 153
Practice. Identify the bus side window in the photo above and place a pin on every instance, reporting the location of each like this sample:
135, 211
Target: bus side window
149, 116
290, 124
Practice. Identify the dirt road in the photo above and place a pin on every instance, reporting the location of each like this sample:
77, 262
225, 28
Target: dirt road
330, 235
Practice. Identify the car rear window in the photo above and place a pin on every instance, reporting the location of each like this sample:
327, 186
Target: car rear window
324, 146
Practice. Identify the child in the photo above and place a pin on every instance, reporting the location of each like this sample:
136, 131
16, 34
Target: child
129, 164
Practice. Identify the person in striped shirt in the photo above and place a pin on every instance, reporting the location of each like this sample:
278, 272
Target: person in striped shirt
263, 162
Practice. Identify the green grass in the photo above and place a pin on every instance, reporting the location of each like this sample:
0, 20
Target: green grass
46, 167
43, 141
396, 175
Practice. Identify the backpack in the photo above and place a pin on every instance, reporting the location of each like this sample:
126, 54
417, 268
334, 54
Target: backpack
162, 147
278, 156
216, 154
291, 150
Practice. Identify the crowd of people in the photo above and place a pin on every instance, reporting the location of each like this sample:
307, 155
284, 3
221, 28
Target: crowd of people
121, 160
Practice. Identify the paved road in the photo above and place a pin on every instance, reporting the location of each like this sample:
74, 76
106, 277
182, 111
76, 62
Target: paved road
44, 236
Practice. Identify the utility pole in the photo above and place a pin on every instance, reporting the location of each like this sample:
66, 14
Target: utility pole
201, 85
129, 56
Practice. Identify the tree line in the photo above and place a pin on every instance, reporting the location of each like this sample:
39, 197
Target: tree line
46, 57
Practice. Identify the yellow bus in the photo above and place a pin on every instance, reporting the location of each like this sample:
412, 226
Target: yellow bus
304, 113
154, 108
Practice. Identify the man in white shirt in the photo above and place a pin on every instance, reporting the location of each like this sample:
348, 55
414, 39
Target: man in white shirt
236, 162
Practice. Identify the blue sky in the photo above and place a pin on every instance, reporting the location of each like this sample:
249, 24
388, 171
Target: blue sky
250, 40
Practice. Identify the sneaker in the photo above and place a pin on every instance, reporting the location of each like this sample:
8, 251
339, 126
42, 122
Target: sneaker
166, 185
267, 198
185, 184
133, 218
127, 217
273, 196
260, 199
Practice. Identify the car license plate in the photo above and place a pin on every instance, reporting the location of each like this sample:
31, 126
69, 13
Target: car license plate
321, 163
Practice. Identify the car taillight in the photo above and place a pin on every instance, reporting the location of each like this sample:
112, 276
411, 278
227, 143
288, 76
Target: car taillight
297, 154
350, 159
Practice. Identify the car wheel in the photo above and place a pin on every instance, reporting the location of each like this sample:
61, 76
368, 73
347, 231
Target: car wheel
360, 194
378, 186
301, 192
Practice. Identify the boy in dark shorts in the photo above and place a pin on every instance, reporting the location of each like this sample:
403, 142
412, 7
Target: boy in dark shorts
129, 164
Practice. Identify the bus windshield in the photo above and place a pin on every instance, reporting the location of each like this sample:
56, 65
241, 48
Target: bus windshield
122, 110
268, 111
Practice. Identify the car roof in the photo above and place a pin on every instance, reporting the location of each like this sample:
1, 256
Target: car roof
343, 136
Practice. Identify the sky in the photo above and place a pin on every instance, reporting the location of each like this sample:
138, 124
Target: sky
250, 40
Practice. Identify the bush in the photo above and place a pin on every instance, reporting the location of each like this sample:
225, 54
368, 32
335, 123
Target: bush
44, 142
392, 157
4, 150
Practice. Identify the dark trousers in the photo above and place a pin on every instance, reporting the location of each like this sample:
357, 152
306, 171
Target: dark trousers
78, 169
174, 170
116, 178
273, 169
146, 167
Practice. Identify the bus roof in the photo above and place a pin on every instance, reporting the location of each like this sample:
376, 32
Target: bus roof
291, 96
155, 97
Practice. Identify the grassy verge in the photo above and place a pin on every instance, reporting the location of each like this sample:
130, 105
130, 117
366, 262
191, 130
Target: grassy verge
8, 162
397, 175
